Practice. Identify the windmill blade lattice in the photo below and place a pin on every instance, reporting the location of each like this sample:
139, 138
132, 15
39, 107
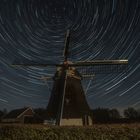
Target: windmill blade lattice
102, 69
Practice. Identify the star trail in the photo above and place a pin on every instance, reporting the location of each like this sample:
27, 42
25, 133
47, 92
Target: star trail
35, 30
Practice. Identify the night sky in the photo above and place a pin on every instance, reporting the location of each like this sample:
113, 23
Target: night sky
100, 29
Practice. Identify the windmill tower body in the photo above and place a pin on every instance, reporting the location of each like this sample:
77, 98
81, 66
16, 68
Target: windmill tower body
71, 108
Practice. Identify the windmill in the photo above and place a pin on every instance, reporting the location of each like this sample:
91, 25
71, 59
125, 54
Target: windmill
67, 104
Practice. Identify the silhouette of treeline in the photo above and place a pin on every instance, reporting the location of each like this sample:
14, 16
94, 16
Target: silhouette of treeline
106, 115
99, 115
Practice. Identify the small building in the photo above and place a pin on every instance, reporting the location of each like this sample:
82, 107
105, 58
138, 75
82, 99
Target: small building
24, 115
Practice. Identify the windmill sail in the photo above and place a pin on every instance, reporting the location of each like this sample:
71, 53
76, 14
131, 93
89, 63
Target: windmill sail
27, 63
66, 47
100, 66
99, 62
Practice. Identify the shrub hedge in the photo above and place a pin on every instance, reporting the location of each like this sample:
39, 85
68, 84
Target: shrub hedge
101, 132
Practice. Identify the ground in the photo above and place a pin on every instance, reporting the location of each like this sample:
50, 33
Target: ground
96, 132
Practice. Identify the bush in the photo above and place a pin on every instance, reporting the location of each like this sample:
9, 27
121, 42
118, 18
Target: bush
98, 132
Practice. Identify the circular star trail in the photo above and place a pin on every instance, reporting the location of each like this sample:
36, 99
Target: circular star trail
35, 30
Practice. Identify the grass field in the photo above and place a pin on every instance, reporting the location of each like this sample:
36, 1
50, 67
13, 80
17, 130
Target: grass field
96, 132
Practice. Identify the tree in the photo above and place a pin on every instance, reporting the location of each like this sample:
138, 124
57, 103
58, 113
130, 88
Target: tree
114, 114
1, 115
138, 110
4, 111
101, 115
131, 113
